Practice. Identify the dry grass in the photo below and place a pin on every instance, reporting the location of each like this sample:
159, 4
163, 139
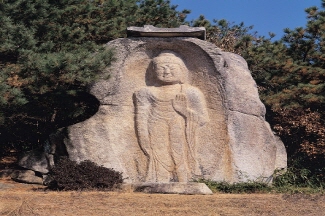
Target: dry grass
21, 199
25, 200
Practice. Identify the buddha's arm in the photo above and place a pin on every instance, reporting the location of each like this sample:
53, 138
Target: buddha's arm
198, 106
192, 106
142, 107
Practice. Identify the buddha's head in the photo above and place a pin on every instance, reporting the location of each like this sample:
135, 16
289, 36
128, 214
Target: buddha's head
169, 68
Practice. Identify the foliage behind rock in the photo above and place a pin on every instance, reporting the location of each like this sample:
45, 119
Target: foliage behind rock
50, 51
290, 75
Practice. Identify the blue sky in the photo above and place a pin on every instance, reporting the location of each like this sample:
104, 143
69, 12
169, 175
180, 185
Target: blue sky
265, 15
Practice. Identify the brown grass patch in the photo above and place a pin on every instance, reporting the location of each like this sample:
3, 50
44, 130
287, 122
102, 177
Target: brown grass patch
22, 199
25, 200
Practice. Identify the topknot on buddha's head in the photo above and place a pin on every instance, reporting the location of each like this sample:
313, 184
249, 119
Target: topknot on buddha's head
166, 57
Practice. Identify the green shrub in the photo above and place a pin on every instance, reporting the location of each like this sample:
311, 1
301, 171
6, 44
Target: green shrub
69, 175
293, 180
242, 187
302, 173
300, 178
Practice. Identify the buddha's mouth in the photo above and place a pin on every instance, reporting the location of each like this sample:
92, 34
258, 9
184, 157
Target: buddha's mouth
168, 76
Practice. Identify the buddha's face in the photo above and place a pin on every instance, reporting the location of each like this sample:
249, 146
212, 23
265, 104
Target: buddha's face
168, 73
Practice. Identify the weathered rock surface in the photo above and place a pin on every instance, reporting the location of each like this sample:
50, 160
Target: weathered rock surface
6, 173
26, 176
36, 160
235, 144
41, 160
189, 188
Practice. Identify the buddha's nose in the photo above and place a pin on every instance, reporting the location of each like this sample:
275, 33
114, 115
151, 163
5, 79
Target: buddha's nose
167, 70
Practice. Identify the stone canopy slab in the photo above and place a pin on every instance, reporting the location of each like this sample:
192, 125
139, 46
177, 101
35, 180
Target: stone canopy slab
182, 31
177, 109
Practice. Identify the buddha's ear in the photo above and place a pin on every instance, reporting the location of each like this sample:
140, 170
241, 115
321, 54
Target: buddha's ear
153, 66
183, 75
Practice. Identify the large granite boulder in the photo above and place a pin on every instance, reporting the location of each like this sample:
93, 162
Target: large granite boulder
177, 109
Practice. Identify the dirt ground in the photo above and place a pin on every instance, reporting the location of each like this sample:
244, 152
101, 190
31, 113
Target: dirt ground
27, 199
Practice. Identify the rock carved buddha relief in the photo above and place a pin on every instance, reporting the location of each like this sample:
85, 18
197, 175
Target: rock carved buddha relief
167, 117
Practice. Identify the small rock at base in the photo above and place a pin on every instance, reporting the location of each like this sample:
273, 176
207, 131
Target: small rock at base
190, 188
26, 176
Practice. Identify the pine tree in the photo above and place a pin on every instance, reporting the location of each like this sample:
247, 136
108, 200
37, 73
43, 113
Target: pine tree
51, 50
290, 74
228, 36
290, 78
159, 13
